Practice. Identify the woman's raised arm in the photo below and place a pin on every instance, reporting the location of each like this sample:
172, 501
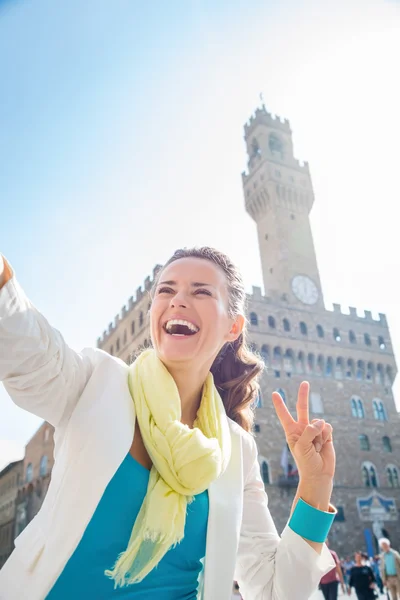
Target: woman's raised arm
38, 369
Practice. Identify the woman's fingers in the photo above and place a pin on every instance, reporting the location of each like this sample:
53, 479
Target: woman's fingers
318, 440
302, 403
311, 433
284, 415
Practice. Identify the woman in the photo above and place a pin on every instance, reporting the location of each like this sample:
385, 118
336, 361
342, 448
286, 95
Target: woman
362, 579
171, 504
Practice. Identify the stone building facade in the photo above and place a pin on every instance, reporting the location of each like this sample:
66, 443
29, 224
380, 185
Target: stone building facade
10, 479
37, 466
347, 358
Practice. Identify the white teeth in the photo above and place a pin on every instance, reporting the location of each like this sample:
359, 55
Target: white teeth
188, 324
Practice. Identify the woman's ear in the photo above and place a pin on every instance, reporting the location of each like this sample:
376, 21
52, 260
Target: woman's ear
237, 328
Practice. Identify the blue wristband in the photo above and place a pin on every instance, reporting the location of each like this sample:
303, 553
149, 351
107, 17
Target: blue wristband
311, 523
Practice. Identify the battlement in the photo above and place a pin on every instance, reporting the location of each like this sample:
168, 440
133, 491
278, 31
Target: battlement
262, 116
302, 164
127, 308
353, 314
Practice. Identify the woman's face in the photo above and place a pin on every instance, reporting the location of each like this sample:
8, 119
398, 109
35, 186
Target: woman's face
357, 557
189, 313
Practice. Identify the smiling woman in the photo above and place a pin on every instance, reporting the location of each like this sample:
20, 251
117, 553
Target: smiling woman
171, 502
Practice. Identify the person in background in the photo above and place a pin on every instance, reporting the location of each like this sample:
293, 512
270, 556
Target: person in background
362, 579
390, 568
329, 583
347, 563
375, 564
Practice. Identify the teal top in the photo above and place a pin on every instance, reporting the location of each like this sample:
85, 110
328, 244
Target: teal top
107, 534
390, 564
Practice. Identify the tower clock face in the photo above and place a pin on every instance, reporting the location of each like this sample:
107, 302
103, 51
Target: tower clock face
305, 289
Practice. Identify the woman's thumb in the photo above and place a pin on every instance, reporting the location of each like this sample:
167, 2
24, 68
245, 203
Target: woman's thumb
311, 432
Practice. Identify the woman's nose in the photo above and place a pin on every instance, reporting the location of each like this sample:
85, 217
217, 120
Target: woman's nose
179, 300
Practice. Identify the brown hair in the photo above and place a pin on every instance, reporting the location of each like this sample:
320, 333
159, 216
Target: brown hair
236, 368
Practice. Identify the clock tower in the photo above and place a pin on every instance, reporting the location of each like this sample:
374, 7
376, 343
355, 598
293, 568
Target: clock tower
279, 197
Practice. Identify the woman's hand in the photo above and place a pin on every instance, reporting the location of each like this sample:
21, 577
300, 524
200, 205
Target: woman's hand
310, 443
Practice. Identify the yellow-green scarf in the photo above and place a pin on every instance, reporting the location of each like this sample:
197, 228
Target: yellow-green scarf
185, 462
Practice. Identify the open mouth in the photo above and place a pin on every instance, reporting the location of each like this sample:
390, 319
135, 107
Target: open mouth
180, 328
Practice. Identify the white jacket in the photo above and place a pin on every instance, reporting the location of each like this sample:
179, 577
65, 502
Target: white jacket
86, 397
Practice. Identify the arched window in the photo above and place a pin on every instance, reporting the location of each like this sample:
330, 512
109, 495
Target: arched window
379, 376
320, 365
387, 446
354, 410
360, 370
303, 328
265, 472
365, 477
275, 145
364, 442
277, 358
125, 337
265, 354
282, 393
300, 362
329, 367
389, 476
141, 319
376, 409
133, 328
255, 148
389, 375
253, 318
395, 474
336, 335
373, 477
380, 410
271, 322
339, 370
29, 473
370, 371
117, 345
352, 337
112, 350
286, 325
360, 409
288, 361
350, 369
320, 331
316, 404
310, 363
43, 466
381, 343
367, 339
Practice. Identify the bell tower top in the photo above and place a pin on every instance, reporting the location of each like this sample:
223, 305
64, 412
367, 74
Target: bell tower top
279, 197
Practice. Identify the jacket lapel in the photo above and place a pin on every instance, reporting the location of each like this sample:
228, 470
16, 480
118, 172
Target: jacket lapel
225, 512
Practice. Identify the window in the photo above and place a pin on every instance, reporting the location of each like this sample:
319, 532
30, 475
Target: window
46, 435
369, 476
112, 350
360, 409
310, 363
277, 374
141, 319
389, 375
367, 339
271, 322
370, 372
282, 393
364, 442
288, 362
300, 362
387, 446
376, 410
29, 473
256, 428
350, 369
392, 476
255, 148
354, 411
275, 145
379, 377
339, 370
336, 335
379, 410
320, 365
381, 343
265, 472
133, 328
316, 403
265, 353
286, 325
253, 319
352, 337
125, 337
340, 514
320, 331
277, 357
258, 402
360, 370
329, 367
117, 345
303, 328
43, 466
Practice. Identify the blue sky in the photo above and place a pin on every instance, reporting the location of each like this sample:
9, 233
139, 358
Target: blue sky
121, 138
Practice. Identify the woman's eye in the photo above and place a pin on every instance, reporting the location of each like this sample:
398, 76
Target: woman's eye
165, 290
203, 292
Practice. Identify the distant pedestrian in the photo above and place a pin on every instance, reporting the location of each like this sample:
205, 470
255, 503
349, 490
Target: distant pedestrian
362, 579
330, 582
375, 564
390, 568
347, 564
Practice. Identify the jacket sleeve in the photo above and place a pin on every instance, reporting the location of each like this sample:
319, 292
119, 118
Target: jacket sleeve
270, 567
38, 369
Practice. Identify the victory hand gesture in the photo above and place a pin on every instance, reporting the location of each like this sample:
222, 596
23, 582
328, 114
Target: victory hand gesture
310, 443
